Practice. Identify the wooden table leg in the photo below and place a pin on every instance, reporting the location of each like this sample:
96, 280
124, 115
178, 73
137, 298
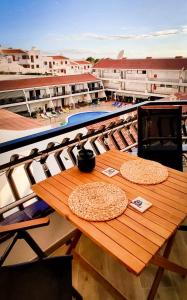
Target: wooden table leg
163, 264
74, 242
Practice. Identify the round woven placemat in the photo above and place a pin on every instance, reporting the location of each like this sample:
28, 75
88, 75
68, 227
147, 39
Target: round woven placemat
98, 201
144, 171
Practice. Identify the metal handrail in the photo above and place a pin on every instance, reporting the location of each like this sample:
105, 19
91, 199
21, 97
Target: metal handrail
38, 137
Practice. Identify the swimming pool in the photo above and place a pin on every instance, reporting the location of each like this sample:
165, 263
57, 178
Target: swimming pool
83, 117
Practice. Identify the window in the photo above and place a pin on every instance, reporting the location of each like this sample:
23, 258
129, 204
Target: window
162, 85
131, 71
36, 56
32, 67
88, 66
72, 67
25, 56
66, 62
114, 71
53, 62
37, 66
61, 62
168, 86
32, 58
45, 63
26, 66
144, 72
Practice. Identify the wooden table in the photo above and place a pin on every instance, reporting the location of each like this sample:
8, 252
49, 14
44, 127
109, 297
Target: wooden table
133, 238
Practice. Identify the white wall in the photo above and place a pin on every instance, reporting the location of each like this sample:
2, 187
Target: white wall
164, 75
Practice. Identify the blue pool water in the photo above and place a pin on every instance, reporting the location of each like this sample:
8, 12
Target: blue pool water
84, 116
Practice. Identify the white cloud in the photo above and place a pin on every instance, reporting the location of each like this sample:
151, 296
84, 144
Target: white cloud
184, 29
166, 32
156, 34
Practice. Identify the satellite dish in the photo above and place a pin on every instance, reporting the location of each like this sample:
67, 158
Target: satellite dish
120, 54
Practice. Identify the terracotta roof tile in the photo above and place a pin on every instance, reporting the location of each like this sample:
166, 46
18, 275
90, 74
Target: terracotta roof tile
146, 63
45, 81
12, 51
12, 121
58, 57
73, 63
82, 62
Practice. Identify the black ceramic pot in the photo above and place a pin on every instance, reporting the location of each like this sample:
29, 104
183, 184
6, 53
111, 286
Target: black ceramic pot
86, 160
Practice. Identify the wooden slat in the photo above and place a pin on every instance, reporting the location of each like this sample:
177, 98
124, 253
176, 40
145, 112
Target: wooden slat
123, 241
157, 239
174, 205
133, 238
91, 178
157, 200
55, 187
132, 234
25, 225
156, 227
91, 231
158, 220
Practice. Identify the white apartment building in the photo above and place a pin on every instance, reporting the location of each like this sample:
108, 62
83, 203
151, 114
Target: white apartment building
28, 95
147, 78
81, 66
56, 65
33, 62
22, 62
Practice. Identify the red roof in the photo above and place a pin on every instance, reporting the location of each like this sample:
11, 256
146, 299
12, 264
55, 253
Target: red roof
12, 121
59, 57
73, 63
146, 63
6, 85
82, 62
12, 51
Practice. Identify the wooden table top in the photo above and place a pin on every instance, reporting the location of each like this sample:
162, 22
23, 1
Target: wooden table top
133, 238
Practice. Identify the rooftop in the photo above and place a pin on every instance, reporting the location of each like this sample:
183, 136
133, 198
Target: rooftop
82, 62
145, 63
58, 57
45, 81
12, 121
12, 51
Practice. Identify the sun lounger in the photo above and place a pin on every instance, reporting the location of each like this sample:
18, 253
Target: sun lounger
49, 114
44, 116
65, 110
120, 104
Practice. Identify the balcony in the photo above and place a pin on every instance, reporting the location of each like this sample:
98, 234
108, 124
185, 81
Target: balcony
9, 101
47, 153
39, 97
95, 88
119, 134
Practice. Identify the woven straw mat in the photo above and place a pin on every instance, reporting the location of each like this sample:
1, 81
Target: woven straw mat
144, 171
97, 201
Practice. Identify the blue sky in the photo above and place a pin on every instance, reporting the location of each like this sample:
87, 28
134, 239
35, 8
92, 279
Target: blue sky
99, 28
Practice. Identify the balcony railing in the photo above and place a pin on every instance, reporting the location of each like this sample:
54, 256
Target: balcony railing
49, 152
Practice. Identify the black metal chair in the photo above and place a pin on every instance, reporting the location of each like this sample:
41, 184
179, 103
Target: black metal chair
159, 135
42, 279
